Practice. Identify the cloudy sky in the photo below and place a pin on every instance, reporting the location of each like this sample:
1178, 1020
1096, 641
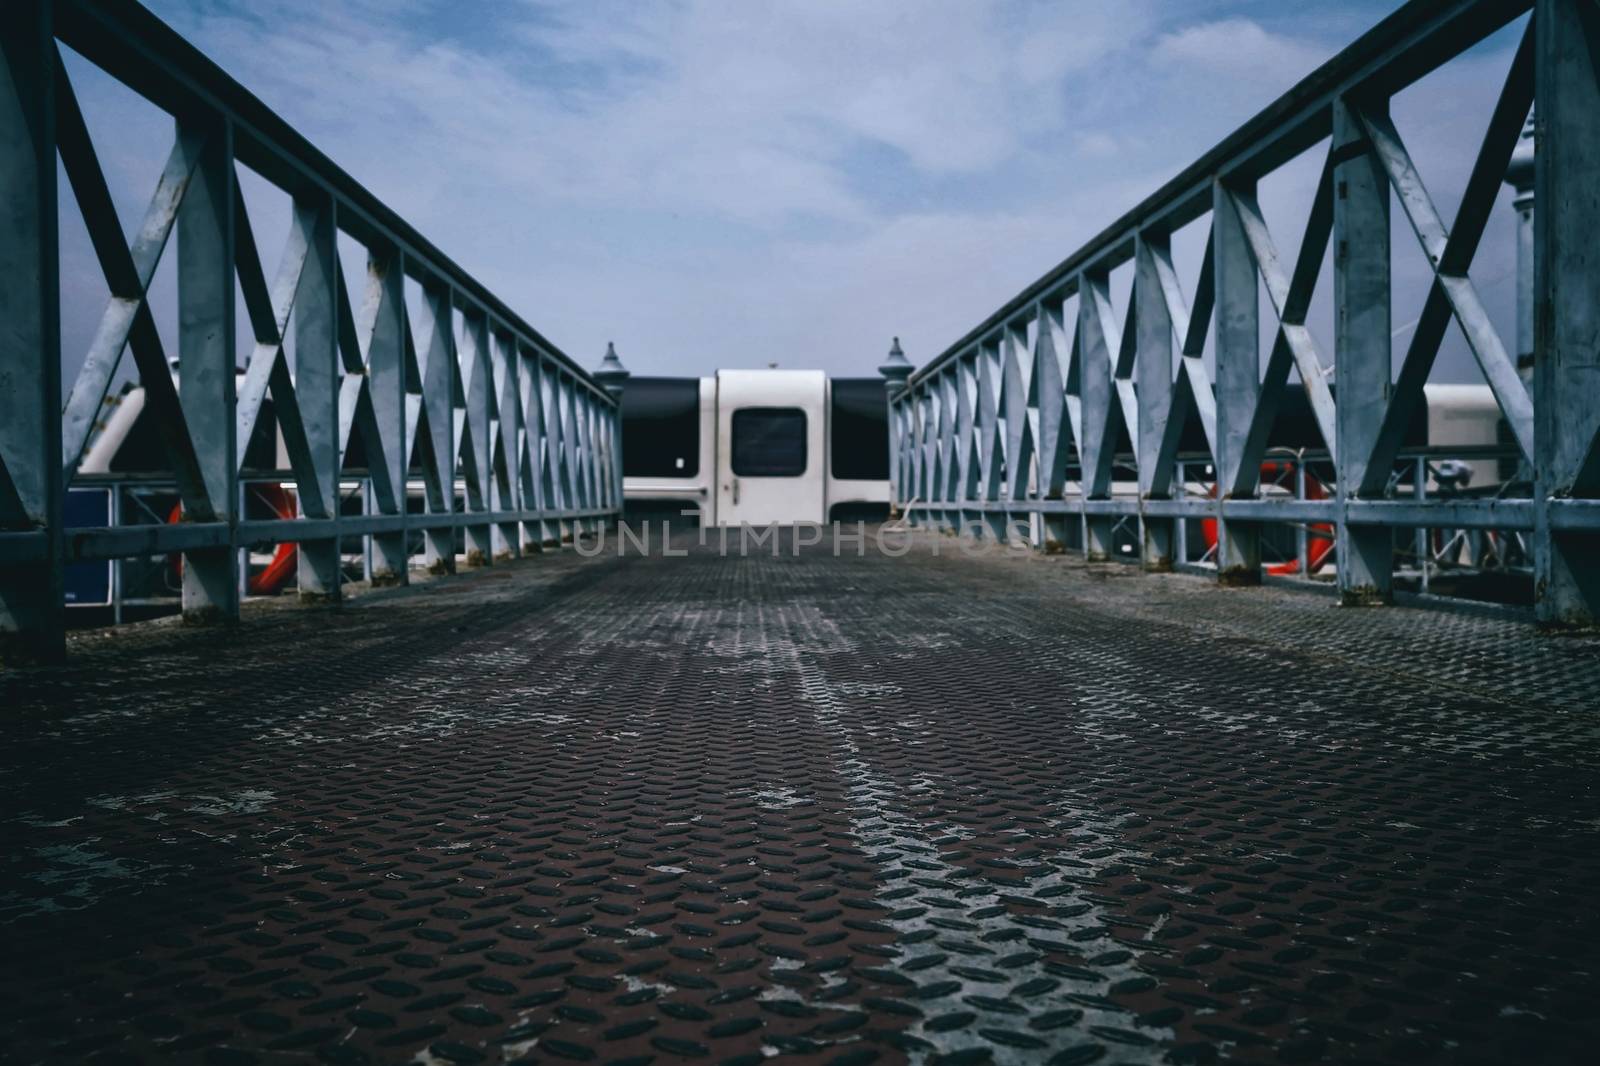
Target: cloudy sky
714, 183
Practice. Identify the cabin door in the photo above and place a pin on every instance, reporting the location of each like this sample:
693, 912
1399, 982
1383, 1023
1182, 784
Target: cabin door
771, 446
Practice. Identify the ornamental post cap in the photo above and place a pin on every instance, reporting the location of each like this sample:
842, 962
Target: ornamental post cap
896, 368
611, 373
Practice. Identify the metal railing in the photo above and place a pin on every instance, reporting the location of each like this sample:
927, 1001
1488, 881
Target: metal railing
470, 399
1014, 416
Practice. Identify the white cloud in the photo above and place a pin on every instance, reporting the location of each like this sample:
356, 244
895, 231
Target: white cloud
1240, 50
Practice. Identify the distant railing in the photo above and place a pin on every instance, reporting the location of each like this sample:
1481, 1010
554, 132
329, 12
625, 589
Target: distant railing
1020, 419
470, 400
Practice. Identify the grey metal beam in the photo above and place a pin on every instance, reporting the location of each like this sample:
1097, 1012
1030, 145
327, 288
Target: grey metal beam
1154, 328
506, 472
475, 445
1566, 366
31, 611
381, 328
206, 372
571, 481
316, 345
439, 386
1099, 340
543, 532
965, 468
1390, 514
1237, 334
94, 544
1362, 345
1055, 429
1016, 381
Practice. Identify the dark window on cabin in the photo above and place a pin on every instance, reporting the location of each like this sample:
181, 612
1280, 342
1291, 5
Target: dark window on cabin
860, 430
769, 442
661, 427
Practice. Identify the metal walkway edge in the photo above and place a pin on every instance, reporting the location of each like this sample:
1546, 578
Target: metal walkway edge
824, 809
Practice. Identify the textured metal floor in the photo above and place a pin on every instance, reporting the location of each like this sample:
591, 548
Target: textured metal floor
840, 810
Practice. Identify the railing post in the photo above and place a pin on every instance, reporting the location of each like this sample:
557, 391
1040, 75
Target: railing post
383, 316
586, 466
1153, 366
939, 465
528, 382
549, 533
206, 371
479, 392
1097, 450
991, 446
439, 386
506, 489
1566, 365
316, 346
928, 420
1361, 349
31, 611
571, 485
966, 440
1238, 341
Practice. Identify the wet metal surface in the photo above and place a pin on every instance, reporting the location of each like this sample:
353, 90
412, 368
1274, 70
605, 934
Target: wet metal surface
821, 809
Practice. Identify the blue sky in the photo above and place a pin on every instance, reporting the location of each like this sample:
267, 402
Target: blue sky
736, 183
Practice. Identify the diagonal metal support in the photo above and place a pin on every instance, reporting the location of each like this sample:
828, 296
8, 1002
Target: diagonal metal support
127, 322
991, 447
1449, 258
1192, 389
1292, 343
1102, 410
438, 448
1015, 393
476, 448
1055, 429
1477, 202
268, 368
1290, 298
1152, 335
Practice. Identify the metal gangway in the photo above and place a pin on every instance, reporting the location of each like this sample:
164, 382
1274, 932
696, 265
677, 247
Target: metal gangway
877, 797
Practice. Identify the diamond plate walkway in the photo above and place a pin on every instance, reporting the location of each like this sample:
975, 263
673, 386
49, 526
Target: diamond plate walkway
821, 809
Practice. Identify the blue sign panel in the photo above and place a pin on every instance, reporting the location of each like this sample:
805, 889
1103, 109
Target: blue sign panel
87, 584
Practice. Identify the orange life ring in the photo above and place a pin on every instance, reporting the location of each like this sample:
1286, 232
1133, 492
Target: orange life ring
273, 576
1319, 545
